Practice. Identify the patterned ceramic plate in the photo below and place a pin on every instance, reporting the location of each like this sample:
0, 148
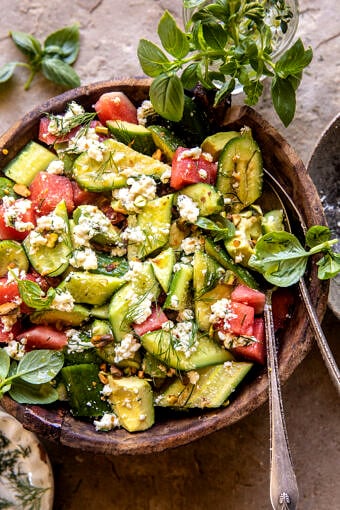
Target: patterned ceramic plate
26, 479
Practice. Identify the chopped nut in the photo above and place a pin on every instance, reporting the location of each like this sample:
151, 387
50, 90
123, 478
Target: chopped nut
115, 372
8, 308
157, 154
101, 340
103, 378
21, 190
52, 239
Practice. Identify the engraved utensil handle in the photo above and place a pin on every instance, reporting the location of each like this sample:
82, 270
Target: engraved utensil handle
284, 493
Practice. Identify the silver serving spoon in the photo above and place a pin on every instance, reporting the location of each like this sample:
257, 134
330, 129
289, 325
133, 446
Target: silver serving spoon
326, 353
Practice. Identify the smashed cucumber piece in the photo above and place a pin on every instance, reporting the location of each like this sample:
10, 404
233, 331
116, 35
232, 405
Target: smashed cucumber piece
214, 385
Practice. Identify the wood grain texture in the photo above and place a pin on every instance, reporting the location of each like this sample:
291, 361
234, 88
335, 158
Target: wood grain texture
172, 430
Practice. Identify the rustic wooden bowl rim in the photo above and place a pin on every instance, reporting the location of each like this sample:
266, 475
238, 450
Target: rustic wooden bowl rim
175, 430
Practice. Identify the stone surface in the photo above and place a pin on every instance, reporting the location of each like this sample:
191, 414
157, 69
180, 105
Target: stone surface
228, 469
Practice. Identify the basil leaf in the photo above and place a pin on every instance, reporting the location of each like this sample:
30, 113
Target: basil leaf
152, 59
329, 266
317, 234
6, 71
224, 91
167, 96
294, 60
5, 362
189, 76
226, 231
27, 393
40, 366
174, 41
215, 35
280, 258
284, 100
253, 91
59, 72
64, 43
188, 4
27, 43
33, 296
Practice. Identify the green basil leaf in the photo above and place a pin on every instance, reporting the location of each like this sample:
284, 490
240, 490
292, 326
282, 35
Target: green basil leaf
215, 35
253, 91
151, 58
33, 296
27, 393
5, 362
294, 60
284, 100
329, 266
317, 234
280, 258
224, 91
189, 4
64, 43
226, 231
6, 71
174, 41
27, 43
189, 76
167, 96
40, 366
59, 72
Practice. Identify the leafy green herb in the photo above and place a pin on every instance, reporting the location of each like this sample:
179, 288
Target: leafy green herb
222, 229
33, 296
282, 260
223, 43
54, 58
27, 379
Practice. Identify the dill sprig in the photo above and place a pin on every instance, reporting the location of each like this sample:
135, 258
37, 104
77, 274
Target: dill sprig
65, 124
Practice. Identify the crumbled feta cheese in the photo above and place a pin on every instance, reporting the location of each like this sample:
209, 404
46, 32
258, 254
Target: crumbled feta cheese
55, 167
89, 225
193, 153
51, 222
193, 376
126, 348
221, 310
133, 235
16, 350
188, 209
136, 195
191, 244
75, 341
8, 321
202, 173
118, 251
85, 258
90, 143
107, 422
63, 301
183, 338
14, 210
14, 274
168, 325
145, 109
106, 391
186, 315
62, 123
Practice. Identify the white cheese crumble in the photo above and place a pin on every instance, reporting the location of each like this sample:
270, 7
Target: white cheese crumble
191, 244
137, 194
8, 321
187, 208
126, 348
133, 235
193, 376
183, 338
90, 143
55, 167
16, 350
107, 422
62, 123
221, 310
63, 301
193, 153
89, 225
145, 109
85, 258
14, 211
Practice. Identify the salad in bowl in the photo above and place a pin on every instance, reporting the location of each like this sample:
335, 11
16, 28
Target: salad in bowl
129, 286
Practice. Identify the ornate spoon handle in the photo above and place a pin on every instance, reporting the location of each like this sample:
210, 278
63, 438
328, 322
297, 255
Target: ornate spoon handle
284, 492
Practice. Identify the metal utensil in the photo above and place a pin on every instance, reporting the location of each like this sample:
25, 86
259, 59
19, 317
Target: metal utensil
326, 353
284, 493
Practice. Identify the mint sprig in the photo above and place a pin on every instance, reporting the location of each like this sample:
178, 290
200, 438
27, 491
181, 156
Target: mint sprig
223, 44
53, 59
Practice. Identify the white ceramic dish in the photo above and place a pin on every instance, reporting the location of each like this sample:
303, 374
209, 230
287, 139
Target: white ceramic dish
26, 479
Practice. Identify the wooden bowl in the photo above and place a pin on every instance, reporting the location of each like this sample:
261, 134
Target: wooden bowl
175, 429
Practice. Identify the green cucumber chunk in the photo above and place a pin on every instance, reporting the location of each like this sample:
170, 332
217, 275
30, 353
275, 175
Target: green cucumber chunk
51, 261
203, 304
163, 266
96, 223
84, 390
6, 188
154, 222
206, 197
89, 288
215, 384
166, 141
178, 297
160, 344
132, 402
31, 160
272, 221
240, 171
77, 316
12, 255
110, 266
206, 273
135, 136
119, 162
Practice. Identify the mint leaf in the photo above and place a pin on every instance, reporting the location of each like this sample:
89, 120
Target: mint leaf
167, 96
317, 234
64, 43
294, 60
59, 72
27, 43
284, 100
152, 59
6, 71
174, 41
40, 366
